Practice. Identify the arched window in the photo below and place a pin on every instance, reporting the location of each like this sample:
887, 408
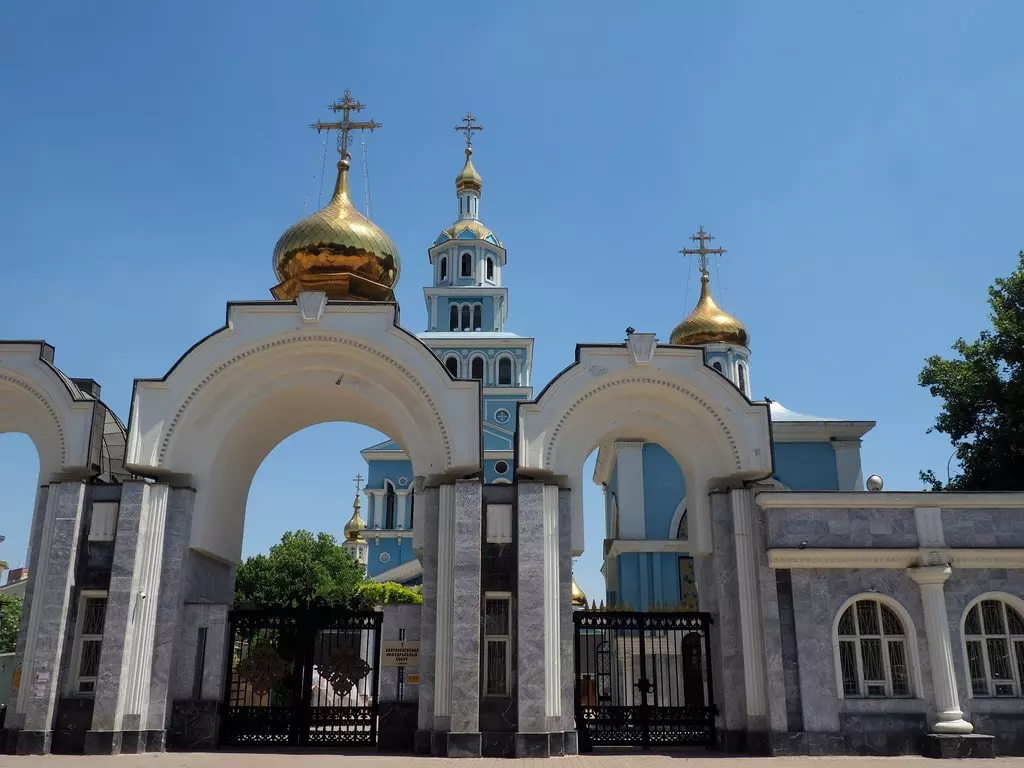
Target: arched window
444, 268
742, 376
476, 368
490, 268
873, 651
467, 265
994, 642
478, 317
452, 364
717, 365
411, 506
505, 370
466, 317
453, 318
389, 506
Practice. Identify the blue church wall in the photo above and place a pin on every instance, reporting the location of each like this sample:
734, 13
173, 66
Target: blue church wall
378, 471
664, 488
492, 475
490, 370
494, 440
487, 310
806, 466
397, 553
646, 579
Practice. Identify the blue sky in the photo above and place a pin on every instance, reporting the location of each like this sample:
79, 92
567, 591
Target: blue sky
860, 161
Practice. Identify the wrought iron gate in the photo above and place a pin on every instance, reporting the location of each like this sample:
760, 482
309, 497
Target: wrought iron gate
643, 679
301, 677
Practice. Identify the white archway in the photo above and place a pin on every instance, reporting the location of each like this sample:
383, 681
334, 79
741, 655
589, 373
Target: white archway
664, 395
278, 368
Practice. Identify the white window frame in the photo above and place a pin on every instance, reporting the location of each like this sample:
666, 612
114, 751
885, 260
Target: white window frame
506, 639
909, 638
497, 370
1013, 639
74, 680
472, 265
483, 374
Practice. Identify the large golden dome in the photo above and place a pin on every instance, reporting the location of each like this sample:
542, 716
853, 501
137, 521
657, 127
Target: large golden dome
579, 600
709, 324
336, 250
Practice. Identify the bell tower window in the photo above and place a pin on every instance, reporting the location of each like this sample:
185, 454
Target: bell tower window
444, 268
476, 370
453, 318
490, 268
742, 375
452, 364
466, 317
467, 265
505, 371
478, 317
389, 507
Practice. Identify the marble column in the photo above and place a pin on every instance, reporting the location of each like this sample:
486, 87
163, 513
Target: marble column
467, 529
751, 635
56, 562
173, 586
120, 710
950, 718
426, 523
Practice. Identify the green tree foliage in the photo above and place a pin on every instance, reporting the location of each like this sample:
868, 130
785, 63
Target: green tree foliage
389, 593
302, 566
983, 397
10, 620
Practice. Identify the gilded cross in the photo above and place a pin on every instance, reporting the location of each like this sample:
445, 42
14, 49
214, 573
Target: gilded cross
467, 127
346, 125
358, 479
703, 251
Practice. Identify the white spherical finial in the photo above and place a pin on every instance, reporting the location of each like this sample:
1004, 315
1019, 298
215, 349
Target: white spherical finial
875, 483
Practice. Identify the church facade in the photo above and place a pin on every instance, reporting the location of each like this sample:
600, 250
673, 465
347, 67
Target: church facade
835, 619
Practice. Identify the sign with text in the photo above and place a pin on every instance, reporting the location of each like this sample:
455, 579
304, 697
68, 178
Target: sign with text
400, 653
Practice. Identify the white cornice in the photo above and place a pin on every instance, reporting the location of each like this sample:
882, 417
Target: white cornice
891, 558
819, 431
616, 547
887, 500
384, 455
400, 573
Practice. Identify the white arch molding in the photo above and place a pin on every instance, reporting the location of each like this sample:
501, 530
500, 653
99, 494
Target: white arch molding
664, 395
273, 371
677, 519
1011, 600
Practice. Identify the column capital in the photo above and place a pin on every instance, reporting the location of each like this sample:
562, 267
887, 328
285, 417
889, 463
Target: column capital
847, 445
932, 574
402, 491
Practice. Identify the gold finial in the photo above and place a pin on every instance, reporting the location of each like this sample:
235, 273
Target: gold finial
579, 599
708, 323
355, 526
346, 125
466, 127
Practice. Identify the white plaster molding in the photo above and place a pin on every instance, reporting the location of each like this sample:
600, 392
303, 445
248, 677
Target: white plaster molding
400, 573
842, 558
552, 606
443, 645
311, 305
987, 558
616, 547
949, 716
751, 635
819, 431
677, 519
888, 499
641, 347
929, 527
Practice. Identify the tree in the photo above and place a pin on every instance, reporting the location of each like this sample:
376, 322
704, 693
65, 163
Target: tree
983, 397
301, 566
10, 621
388, 593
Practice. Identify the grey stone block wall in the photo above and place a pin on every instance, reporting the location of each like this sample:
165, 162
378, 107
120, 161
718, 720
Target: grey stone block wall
426, 516
817, 597
842, 528
193, 617
983, 527
466, 614
397, 618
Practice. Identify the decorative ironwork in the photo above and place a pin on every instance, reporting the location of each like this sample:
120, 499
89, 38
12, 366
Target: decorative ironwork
301, 676
643, 679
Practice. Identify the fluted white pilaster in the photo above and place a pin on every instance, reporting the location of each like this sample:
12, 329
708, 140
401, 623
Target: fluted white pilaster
401, 513
949, 716
751, 635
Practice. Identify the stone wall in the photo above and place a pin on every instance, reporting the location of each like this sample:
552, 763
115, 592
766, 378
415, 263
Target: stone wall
397, 704
842, 528
983, 527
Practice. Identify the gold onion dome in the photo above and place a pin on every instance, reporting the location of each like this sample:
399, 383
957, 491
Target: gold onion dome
468, 177
336, 250
578, 598
356, 525
709, 324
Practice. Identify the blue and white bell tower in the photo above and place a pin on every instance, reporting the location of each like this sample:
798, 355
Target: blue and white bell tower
467, 311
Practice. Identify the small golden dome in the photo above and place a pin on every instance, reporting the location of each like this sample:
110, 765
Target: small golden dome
709, 324
579, 600
356, 525
468, 178
336, 250
477, 227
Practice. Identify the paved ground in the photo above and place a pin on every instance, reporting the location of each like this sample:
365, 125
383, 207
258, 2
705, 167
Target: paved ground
319, 760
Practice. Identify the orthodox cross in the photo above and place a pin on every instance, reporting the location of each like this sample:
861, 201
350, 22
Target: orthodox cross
703, 251
344, 126
357, 480
467, 127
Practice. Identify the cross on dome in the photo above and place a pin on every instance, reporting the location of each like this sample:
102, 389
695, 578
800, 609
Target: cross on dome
346, 125
466, 127
702, 252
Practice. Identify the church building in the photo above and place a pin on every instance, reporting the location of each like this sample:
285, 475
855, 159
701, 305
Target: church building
759, 599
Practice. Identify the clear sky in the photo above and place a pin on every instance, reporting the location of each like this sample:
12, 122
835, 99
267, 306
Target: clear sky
860, 161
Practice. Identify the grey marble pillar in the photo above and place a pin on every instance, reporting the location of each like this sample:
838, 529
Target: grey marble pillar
51, 597
171, 598
123, 681
727, 653
15, 715
425, 520
466, 611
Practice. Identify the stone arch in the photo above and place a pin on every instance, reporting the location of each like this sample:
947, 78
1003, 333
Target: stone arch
238, 393
664, 395
38, 400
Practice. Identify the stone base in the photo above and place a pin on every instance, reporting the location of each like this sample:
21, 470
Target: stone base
156, 741
103, 743
498, 744
957, 746
555, 744
194, 725
34, 742
464, 745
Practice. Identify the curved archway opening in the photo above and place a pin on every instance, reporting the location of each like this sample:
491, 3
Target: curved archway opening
19, 477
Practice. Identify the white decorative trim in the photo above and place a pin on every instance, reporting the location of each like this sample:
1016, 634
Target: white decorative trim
311, 305
641, 347
987, 558
907, 557
445, 585
929, 527
819, 431
552, 607
400, 573
883, 499
752, 639
50, 409
618, 547
677, 518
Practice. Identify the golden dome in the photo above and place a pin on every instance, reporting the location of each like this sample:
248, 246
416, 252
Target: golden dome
356, 525
336, 250
468, 177
479, 230
579, 600
709, 324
